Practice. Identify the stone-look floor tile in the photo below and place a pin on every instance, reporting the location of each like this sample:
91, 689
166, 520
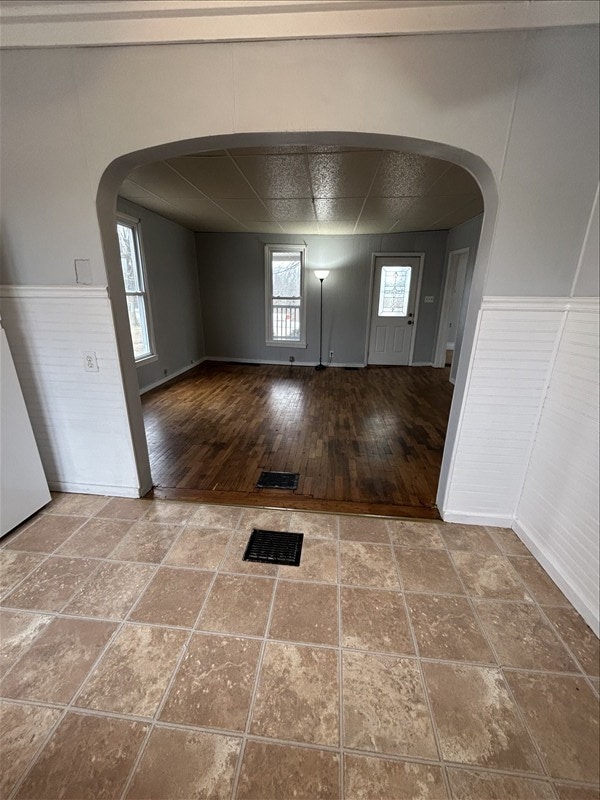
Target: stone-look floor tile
508, 541
18, 629
173, 597
172, 512
265, 519
96, 539
134, 672
427, 571
368, 565
305, 612
83, 504
298, 695
595, 684
110, 591
52, 584
471, 785
234, 559
86, 758
125, 508
238, 604
147, 542
385, 709
373, 619
14, 566
568, 792
541, 587
468, 537
22, 732
275, 772
446, 628
46, 533
318, 562
415, 534
213, 685
209, 516
476, 718
522, 638
489, 576
562, 714
366, 778
364, 529
199, 547
59, 658
185, 764
578, 636
321, 526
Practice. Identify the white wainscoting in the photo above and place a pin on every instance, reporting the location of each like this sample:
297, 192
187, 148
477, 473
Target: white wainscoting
79, 418
558, 512
509, 372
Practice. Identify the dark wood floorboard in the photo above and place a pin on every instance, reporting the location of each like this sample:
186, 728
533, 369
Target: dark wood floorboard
363, 441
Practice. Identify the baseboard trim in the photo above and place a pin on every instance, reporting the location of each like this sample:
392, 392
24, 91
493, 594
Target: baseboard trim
280, 363
172, 375
90, 488
590, 615
465, 518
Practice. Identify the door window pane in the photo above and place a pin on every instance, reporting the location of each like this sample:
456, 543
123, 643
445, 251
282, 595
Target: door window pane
394, 291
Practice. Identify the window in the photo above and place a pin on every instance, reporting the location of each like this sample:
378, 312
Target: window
285, 296
394, 291
135, 287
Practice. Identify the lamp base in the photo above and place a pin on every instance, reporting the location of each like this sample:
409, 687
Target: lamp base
321, 366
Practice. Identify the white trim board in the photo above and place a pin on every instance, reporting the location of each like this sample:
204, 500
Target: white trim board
90, 488
170, 377
590, 615
540, 303
273, 362
465, 518
50, 292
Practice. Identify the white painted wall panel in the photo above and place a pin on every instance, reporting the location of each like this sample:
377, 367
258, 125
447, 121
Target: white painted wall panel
506, 384
558, 513
79, 418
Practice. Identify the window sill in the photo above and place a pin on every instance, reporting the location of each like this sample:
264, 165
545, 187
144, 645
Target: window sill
141, 362
286, 344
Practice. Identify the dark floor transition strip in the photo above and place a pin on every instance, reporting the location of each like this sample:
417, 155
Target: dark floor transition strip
274, 547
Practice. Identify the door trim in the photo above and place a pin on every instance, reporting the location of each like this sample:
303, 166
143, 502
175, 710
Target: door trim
440, 346
421, 257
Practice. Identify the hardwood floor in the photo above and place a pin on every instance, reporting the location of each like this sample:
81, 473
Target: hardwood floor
364, 441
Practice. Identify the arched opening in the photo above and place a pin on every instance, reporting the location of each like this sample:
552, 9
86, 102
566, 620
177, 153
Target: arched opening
107, 208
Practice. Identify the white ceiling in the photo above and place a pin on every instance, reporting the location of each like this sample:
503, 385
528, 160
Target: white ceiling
307, 189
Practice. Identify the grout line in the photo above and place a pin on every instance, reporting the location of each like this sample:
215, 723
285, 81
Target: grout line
166, 691
340, 659
415, 643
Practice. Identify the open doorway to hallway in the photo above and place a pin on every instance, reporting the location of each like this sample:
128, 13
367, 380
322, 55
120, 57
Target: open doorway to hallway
364, 441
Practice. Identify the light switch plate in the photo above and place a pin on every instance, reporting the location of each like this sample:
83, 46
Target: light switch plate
83, 271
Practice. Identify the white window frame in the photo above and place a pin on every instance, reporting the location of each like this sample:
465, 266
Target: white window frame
284, 248
135, 225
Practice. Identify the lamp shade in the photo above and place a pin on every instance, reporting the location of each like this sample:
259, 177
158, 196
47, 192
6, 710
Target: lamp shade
321, 274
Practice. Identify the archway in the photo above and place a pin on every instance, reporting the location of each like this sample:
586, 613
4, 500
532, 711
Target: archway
106, 207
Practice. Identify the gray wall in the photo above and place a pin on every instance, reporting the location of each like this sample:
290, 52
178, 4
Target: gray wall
232, 289
465, 235
170, 259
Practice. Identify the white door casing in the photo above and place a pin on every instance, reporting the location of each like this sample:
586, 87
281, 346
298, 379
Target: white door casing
395, 287
452, 301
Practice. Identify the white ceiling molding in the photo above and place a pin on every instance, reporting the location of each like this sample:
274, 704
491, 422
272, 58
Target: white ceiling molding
64, 23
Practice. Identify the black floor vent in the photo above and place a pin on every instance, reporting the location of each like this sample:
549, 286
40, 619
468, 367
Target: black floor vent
273, 547
278, 480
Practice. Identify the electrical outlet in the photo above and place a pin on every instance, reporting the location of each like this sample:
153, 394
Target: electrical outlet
429, 298
90, 362
330, 356
292, 359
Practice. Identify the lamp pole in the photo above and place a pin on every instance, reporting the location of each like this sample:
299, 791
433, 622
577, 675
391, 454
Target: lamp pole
321, 274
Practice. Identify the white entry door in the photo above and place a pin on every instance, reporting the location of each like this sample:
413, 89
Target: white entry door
392, 314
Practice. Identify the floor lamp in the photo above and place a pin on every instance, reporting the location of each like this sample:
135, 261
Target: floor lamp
321, 274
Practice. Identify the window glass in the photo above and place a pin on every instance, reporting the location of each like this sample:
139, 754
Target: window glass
137, 298
394, 291
285, 303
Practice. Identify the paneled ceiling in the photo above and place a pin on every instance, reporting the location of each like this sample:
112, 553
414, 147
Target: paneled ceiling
306, 189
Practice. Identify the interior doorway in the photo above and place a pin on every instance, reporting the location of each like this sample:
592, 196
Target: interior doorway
395, 290
452, 307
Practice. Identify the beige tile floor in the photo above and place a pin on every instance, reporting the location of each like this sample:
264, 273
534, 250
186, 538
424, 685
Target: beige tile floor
142, 658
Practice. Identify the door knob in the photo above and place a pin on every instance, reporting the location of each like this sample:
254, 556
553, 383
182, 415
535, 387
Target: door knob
410, 322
